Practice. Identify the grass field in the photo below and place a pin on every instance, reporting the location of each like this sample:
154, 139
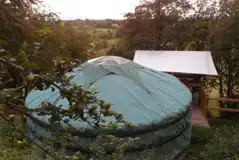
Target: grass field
104, 35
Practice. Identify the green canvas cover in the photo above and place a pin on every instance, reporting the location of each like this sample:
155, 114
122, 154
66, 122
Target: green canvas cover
158, 104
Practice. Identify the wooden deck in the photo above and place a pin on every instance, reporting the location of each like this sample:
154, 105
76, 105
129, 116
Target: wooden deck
198, 118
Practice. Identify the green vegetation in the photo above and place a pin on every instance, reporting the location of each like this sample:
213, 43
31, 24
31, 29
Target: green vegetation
204, 25
220, 142
37, 48
103, 39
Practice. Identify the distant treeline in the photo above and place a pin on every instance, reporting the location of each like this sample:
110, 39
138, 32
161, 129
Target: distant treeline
107, 23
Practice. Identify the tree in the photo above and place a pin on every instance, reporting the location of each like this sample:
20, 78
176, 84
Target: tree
224, 44
21, 65
30, 33
186, 25
62, 40
153, 24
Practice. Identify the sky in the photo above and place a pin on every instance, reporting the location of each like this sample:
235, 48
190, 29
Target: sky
91, 9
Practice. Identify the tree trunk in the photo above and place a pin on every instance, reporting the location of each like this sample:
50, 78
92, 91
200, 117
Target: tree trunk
221, 94
154, 42
229, 80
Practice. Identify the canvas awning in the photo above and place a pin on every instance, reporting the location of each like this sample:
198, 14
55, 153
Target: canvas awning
190, 62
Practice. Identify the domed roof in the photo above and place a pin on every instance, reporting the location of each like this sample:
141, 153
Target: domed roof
142, 95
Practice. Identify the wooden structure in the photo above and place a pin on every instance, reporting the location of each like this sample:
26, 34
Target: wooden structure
199, 119
193, 82
225, 100
188, 66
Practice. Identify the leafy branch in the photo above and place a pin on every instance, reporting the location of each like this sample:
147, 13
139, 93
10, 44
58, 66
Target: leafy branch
81, 102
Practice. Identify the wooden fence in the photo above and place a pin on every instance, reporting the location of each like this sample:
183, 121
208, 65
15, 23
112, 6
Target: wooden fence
206, 108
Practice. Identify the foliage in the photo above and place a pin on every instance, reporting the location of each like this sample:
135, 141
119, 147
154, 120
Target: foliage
154, 24
26, 29
85, 106
103, 40
106, 24
40, 61
62, 40
219, 142
13, 144
37, 50
186, 25
9, 153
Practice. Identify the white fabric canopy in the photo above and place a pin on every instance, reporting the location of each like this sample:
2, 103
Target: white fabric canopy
193, 62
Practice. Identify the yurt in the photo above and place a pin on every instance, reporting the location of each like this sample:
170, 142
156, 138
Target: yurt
156, 103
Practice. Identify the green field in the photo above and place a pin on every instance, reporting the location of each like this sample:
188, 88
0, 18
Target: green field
104, 39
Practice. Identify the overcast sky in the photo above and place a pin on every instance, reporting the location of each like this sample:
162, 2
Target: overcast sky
91, 9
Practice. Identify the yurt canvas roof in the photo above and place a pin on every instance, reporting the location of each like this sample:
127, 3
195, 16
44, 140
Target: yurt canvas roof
153, 95
158, 105
190, 62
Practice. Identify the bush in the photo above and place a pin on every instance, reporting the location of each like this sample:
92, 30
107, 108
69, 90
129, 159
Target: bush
220, 142
223, 145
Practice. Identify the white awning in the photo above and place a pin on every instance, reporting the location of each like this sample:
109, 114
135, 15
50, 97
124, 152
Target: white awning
192, 62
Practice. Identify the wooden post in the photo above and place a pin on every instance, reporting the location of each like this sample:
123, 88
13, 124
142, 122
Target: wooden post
203, 101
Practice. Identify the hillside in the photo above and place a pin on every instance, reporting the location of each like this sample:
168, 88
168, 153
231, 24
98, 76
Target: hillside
103, 34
